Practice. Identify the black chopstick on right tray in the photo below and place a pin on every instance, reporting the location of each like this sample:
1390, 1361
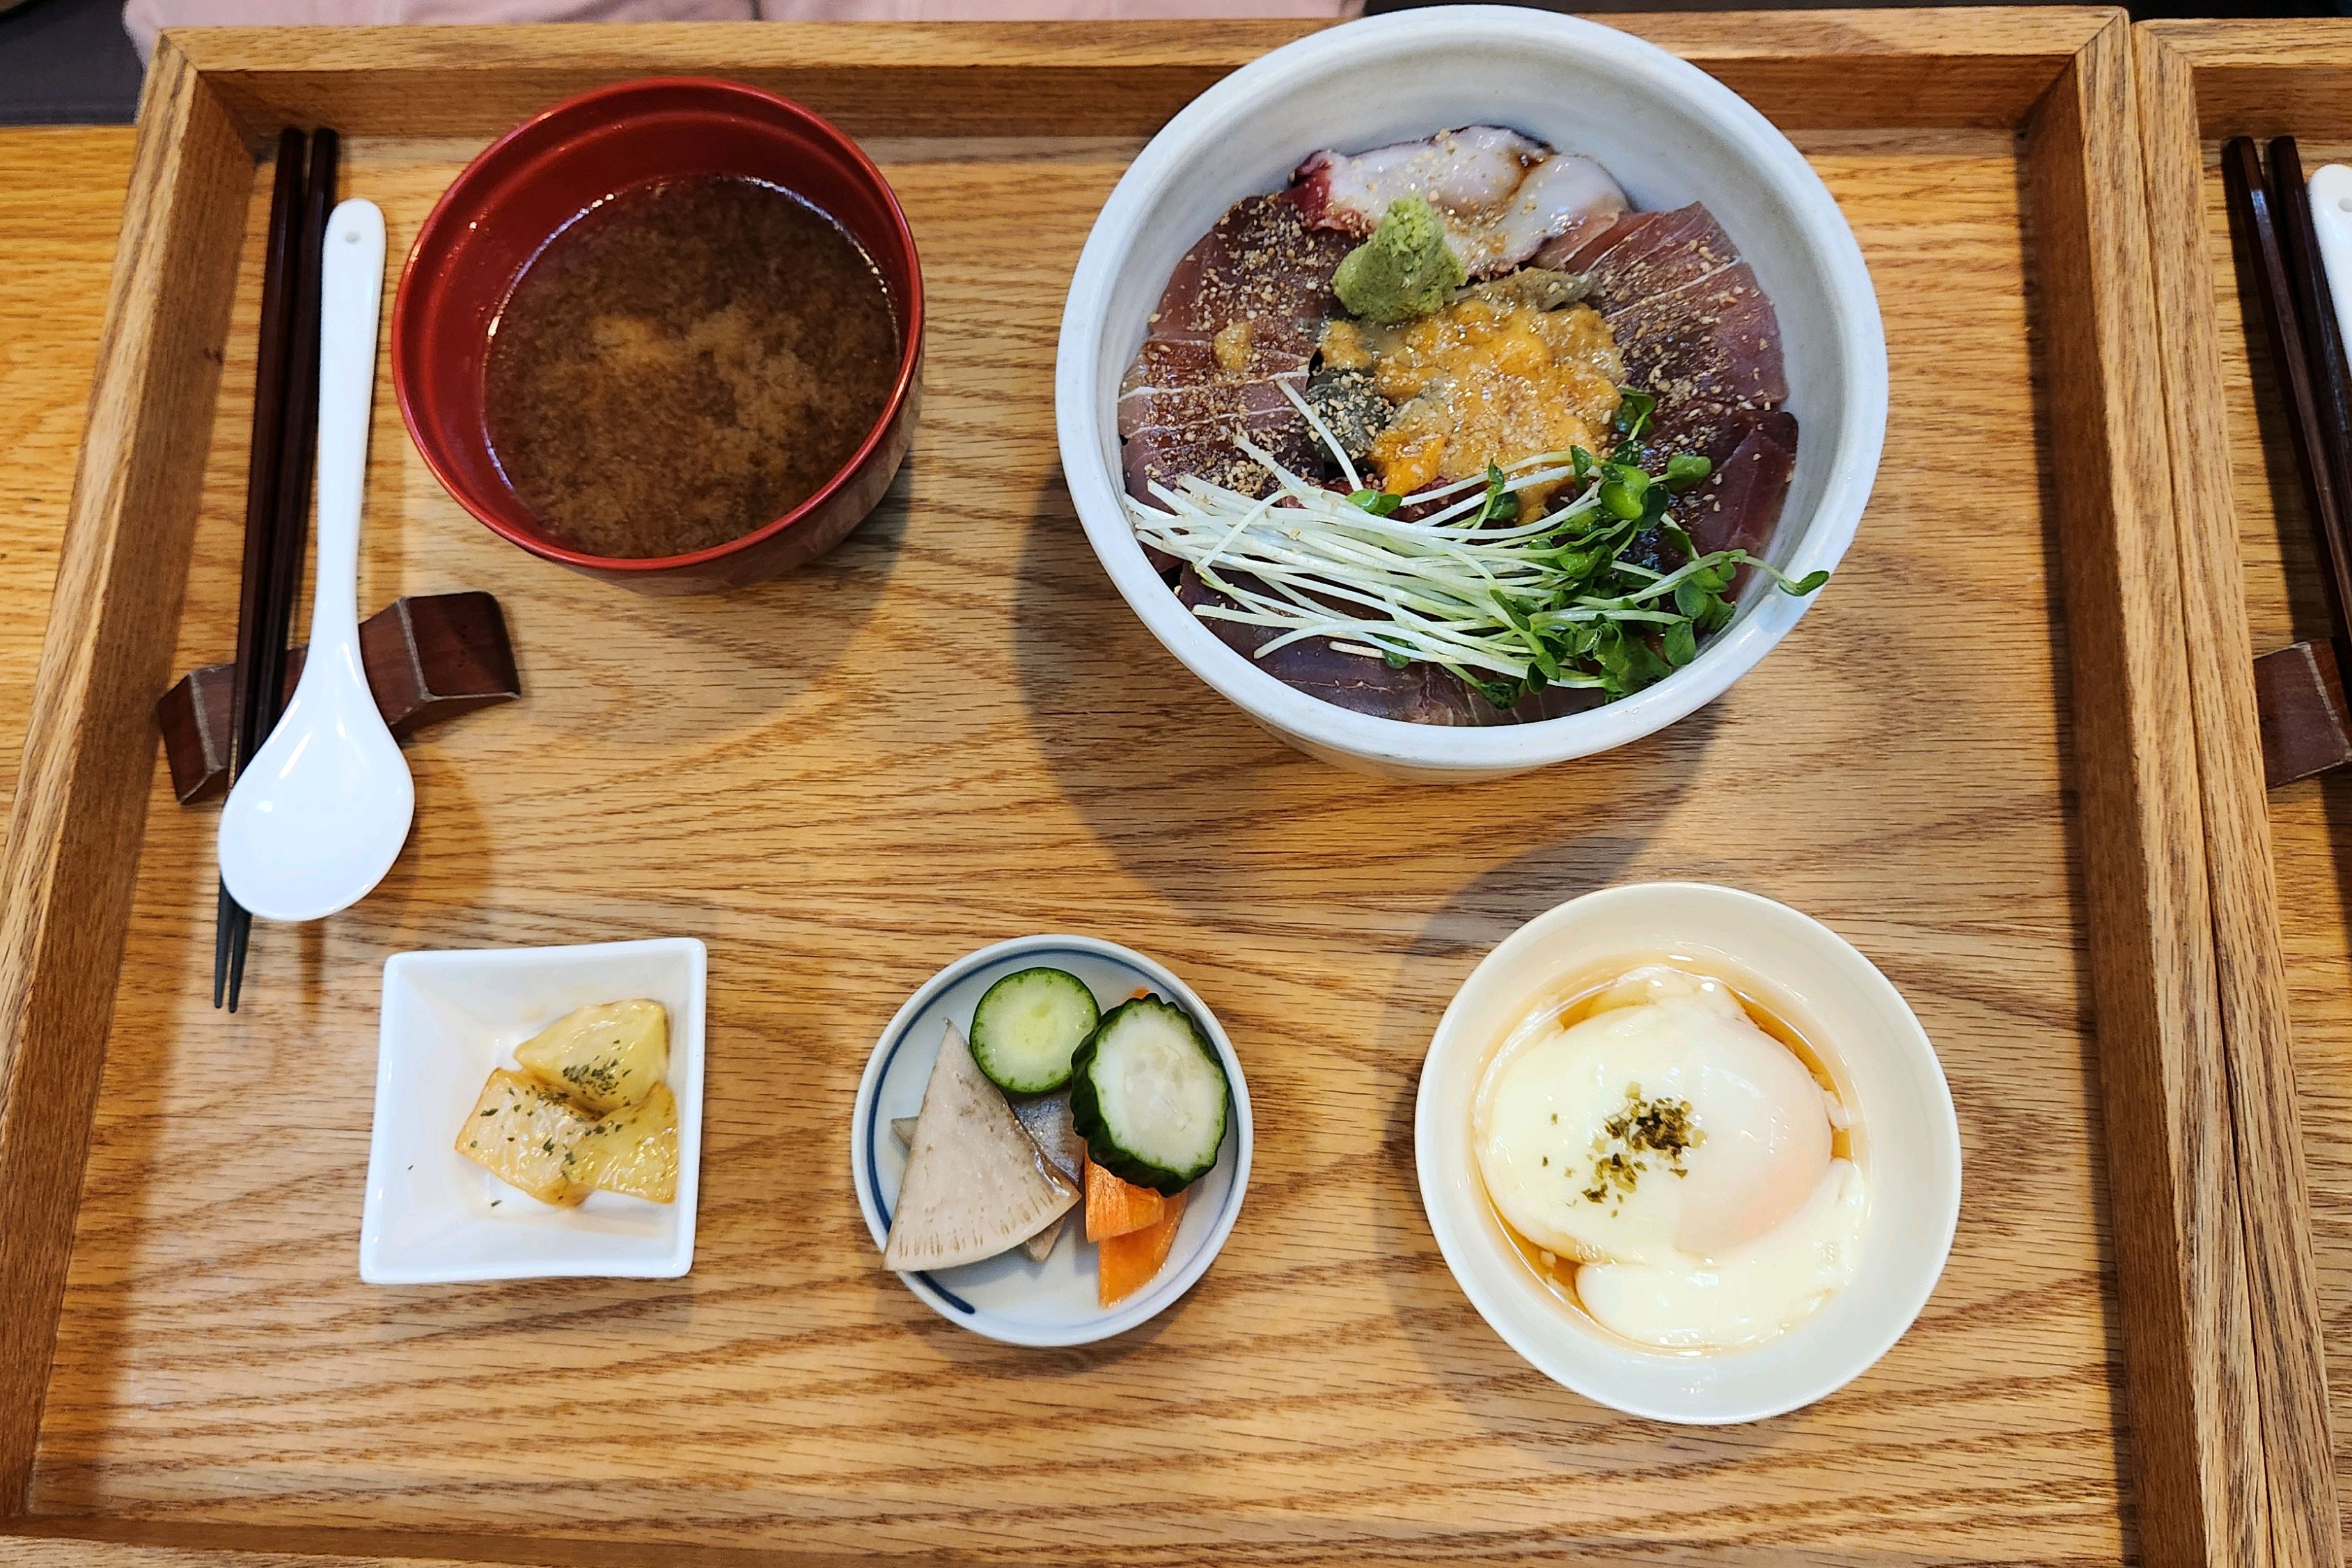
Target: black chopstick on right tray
298, 442
265, 469
2323, 367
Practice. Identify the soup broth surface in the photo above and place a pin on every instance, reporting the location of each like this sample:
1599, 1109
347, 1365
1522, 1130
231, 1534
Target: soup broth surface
684, 362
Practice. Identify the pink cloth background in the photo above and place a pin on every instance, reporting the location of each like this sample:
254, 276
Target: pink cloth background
145, 18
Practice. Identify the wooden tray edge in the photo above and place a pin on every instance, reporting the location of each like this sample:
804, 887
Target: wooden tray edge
71, 862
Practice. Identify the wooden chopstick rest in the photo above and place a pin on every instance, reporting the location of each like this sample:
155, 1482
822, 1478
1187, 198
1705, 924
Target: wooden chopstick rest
2299, 692
429, 657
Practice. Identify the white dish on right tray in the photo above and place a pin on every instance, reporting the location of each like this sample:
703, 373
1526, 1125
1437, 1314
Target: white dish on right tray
1901, 1138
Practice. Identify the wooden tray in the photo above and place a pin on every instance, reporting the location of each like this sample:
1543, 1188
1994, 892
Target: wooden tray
951, 731
2255, 585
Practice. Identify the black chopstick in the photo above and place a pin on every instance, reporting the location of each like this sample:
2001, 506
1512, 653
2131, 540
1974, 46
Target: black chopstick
2258, 214
2324, 368
299, 437
265, 469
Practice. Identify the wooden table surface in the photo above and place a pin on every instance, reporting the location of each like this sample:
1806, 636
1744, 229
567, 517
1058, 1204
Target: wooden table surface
61, 194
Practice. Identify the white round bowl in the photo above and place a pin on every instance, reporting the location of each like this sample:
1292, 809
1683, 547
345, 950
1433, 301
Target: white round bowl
1007, 1297
1906, 1141
1670, 133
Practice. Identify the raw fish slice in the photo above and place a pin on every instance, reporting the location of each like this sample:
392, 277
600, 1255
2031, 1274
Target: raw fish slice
1500, 194
1736, 507
1173, 385
1648, 253
1467, 170
975, 1184
1420, 693
1166, 452
1712, 353
1561, 198
1694, 328
1264, 279
1260, 264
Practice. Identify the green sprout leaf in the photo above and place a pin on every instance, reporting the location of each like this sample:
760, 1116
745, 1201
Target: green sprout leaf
1809, 583
1379, 503
1501, 505
1622, 489
1684, 470
1634, 411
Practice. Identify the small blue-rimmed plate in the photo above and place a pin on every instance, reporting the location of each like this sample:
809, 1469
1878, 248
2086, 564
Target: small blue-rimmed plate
1007, 1297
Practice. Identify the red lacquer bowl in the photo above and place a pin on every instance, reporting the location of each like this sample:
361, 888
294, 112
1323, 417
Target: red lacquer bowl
507, 204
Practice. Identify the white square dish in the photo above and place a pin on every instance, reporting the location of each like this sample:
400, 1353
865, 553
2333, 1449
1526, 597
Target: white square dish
432, 1216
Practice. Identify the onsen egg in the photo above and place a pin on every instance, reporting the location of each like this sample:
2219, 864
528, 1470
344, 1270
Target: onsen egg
1566, 1171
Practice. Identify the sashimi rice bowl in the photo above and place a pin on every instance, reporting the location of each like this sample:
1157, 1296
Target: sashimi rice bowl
1470, 389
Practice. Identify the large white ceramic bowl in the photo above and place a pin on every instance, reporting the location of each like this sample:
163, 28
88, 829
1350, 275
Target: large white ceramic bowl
1670, 133
1906, 1141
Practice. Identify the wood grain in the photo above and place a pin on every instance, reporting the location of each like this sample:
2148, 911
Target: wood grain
2180, 1263
1940, 68
221, 1381
2244, 80
69, 862
219, 1365
60, 203
2290, 1355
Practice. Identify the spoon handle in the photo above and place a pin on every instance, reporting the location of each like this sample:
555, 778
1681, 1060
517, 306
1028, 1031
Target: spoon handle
351, 294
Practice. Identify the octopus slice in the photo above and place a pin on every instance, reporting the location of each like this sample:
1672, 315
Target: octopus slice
1500, 194
1240, 315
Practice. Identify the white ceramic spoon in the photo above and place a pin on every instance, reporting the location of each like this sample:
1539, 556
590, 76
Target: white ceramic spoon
2331, 219
320, 814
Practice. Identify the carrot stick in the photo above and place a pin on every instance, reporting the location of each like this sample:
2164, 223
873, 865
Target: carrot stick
1126, 1264
1114, 1207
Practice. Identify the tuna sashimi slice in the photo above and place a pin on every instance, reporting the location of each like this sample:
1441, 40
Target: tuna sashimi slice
1240, 314
1737, 506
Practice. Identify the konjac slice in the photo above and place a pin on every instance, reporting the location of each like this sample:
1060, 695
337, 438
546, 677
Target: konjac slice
1126, 1263
975, 1184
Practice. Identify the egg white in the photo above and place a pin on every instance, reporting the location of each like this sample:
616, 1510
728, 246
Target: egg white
1759, 1222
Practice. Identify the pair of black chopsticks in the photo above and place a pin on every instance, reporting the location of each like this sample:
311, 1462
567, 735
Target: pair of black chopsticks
277, 480
2273, 219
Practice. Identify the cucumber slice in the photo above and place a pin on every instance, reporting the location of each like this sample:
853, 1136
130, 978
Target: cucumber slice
1026, 1026
1148, 1096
